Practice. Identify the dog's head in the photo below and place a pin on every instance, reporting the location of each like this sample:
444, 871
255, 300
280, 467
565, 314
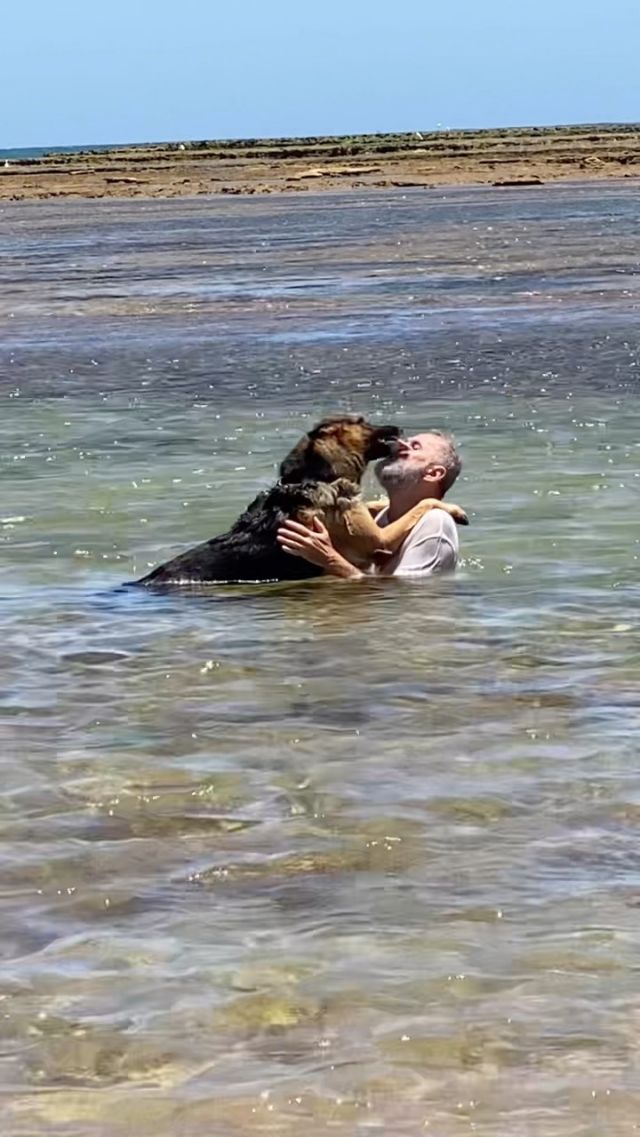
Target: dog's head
338, 447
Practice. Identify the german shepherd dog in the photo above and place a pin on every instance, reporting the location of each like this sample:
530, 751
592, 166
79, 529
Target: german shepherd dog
320, 477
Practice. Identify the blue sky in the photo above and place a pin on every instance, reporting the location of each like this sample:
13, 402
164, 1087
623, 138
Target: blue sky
81, 71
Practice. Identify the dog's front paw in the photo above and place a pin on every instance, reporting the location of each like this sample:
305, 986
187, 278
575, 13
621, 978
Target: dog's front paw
344, 487
457, 513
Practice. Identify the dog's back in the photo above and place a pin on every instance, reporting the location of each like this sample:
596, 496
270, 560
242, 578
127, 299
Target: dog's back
336, 448
249, 550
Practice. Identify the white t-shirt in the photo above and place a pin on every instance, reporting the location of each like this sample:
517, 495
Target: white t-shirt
431, 547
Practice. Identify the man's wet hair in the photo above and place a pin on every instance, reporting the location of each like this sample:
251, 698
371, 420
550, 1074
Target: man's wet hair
448, 457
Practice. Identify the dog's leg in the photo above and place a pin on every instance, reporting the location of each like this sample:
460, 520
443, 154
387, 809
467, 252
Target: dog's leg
371, 538
376, 507
392, 536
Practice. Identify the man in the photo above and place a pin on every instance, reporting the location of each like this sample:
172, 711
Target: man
424, 466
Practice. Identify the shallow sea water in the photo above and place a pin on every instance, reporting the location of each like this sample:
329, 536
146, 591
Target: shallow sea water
325, 857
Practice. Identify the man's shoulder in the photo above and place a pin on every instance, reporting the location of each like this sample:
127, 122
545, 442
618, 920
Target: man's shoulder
431, 547
437, 523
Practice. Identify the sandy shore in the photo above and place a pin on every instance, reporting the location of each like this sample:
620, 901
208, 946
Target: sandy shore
496, 157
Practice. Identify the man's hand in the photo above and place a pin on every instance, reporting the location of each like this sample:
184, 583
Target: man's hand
314, 545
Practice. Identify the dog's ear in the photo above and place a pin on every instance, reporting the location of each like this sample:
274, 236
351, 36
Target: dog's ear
320, 429
304, 464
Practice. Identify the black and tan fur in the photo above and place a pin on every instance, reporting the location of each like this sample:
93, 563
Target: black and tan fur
320, 477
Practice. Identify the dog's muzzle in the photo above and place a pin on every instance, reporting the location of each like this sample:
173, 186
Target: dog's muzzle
384, 442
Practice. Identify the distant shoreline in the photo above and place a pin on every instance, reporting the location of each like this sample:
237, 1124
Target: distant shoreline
508, 157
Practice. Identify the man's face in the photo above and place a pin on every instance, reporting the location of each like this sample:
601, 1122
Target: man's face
415, 461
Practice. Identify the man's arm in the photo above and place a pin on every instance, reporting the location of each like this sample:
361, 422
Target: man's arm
315, 545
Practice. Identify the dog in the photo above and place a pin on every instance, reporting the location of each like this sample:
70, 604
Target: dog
320, 477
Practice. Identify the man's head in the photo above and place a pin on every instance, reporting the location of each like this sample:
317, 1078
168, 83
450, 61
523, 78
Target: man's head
426, 464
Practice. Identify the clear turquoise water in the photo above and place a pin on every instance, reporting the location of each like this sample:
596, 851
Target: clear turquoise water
321, 857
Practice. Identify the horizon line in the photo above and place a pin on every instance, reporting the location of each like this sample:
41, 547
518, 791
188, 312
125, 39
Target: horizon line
248, 138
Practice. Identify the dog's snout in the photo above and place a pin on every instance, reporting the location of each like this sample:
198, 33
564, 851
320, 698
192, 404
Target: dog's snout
389, 431
383, 441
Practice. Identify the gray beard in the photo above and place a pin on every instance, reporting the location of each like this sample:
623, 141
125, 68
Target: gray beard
393, 474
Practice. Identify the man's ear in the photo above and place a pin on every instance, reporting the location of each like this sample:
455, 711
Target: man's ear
435, 473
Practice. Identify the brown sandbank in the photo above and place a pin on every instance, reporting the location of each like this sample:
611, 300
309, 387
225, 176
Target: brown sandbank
509, 157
